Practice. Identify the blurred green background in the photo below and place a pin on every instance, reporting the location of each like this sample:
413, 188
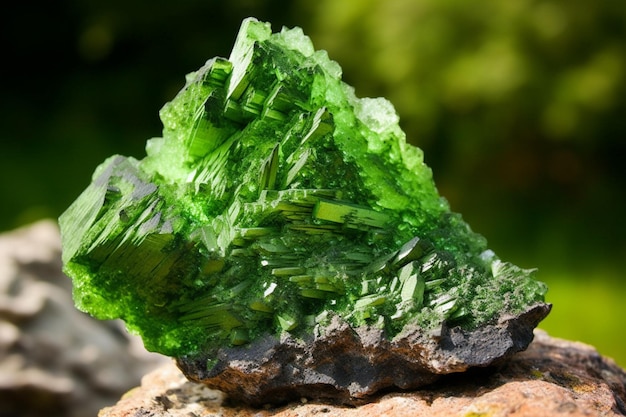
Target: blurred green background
519, 106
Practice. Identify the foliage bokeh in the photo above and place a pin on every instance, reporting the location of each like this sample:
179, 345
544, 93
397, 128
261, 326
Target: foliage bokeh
520, 107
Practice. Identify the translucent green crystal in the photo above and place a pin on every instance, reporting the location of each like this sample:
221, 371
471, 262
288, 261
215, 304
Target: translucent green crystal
275, 199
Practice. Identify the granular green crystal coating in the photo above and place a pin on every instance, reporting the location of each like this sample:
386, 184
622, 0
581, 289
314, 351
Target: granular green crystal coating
275, 199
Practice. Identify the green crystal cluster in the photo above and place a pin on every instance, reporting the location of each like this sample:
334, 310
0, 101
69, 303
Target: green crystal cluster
275, 199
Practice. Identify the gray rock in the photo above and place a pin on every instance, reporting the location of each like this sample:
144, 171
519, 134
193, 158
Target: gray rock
553, 377
347, 366
55, 360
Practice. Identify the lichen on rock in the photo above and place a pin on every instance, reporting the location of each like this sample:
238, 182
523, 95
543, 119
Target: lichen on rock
279, 206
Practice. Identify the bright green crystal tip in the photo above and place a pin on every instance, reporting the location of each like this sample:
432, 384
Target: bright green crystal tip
274, 197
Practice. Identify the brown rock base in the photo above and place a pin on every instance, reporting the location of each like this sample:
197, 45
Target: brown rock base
552, 378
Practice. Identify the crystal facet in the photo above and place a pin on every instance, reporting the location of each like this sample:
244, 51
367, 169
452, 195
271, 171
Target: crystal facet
275, 203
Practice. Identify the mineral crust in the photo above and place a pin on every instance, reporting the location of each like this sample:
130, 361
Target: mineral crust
282, 239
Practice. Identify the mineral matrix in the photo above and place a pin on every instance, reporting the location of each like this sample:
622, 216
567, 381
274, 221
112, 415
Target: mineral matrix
276, 202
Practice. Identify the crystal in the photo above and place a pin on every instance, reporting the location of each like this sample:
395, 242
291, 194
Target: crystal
277, 205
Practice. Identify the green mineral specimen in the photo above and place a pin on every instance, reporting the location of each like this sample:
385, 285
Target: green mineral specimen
275, 199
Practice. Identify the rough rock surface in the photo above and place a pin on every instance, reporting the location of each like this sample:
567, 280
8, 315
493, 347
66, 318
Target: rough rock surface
553, 377
55, 360
341, 365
